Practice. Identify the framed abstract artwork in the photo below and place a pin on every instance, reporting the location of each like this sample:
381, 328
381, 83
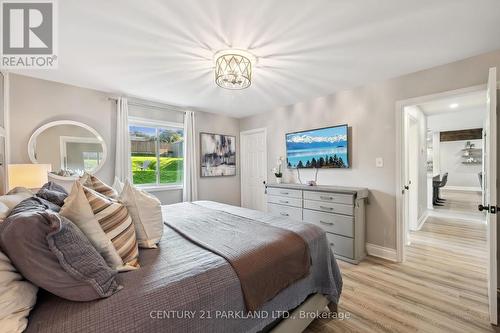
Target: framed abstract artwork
218, 155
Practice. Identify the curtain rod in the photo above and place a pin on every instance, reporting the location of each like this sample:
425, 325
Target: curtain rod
154, 105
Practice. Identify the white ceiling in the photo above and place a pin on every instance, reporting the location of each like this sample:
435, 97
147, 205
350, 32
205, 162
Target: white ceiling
162, 50
475, 102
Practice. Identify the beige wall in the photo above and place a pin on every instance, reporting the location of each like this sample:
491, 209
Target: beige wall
34, 102
370, 111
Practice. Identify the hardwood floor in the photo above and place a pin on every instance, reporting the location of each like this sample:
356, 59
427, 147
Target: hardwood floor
460, 201
441, 287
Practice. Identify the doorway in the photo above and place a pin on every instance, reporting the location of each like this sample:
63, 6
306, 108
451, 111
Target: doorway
253, 145
459, 171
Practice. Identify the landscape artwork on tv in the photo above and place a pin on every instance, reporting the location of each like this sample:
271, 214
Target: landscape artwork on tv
319, 148
218, 155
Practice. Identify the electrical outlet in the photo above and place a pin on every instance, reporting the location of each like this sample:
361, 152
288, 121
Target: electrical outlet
379, 162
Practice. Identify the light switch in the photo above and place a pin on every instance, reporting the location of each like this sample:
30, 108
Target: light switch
379, 162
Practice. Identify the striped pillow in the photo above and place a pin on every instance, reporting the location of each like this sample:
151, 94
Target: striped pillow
116, 223
98, 185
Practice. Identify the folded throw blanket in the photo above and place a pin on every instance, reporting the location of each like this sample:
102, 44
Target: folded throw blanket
266, 258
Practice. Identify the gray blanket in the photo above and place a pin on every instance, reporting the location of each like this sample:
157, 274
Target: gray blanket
267, 259
182, 287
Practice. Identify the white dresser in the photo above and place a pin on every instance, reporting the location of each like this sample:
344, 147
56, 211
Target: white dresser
340, 211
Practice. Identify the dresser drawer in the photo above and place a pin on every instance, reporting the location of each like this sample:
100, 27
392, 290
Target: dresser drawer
284, 192
334, 223
343, 246
294, 213
345, 199
329, 207
295, 202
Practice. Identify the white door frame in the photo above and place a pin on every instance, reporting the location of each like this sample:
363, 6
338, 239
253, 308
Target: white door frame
491, 192
245, 133
413, 178
400, 155
6, 129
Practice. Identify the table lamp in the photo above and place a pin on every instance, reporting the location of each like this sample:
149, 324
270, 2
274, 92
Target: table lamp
32, 176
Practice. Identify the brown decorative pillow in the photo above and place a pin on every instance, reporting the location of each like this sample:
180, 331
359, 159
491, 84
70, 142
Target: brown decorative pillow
98, 185
117, 224
52, 253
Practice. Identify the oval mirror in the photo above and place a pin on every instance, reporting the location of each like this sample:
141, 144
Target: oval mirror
71, 147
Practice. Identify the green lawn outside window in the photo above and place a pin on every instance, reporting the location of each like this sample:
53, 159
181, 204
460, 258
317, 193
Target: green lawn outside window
171, 169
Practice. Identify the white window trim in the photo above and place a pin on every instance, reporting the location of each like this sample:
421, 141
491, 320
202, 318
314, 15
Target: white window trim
153, 123
158, 188
133, 121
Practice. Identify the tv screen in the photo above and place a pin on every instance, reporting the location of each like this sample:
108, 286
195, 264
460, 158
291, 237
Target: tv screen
319, 148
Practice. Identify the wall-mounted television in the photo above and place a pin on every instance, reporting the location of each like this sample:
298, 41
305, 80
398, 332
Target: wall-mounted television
318, 148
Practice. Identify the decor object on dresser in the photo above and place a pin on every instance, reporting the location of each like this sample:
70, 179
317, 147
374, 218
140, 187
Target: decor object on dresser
278, 172
31, 176
318, 148
340, 211
218, 155
70, 147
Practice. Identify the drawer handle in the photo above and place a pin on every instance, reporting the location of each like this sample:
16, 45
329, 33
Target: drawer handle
284, 193
331, 244
329, 223
284, 214
325, 198
324, 207
283, 201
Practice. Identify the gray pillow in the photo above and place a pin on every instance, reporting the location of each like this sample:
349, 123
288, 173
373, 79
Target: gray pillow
34, 204
52, 253
54, 187
56, 197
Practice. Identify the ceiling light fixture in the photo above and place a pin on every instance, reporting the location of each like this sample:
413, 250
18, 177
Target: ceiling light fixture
233, 69
453, 105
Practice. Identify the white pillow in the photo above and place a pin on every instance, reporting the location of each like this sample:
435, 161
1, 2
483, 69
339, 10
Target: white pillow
4, 211
145, 210
17, 297
77, 209
12, 199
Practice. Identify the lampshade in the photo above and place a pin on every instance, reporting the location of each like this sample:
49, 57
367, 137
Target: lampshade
233, 69
27, 175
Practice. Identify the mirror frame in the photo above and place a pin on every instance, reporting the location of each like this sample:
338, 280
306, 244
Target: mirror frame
38, 131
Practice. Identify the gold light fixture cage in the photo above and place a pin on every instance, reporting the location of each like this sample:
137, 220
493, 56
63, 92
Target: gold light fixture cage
233, 69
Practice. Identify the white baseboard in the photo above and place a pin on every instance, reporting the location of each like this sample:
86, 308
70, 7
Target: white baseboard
382, 252
421, 220
463, 188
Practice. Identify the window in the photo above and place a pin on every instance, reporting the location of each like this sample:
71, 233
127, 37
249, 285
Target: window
156, 153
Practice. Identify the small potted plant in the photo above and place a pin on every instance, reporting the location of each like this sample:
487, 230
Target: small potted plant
277, 171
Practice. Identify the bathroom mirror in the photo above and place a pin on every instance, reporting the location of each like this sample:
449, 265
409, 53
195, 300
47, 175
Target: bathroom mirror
71, 147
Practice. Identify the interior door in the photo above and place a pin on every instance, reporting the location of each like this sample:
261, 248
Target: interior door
490, 188
253, 169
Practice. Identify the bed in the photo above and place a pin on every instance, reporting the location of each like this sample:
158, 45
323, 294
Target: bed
182, 287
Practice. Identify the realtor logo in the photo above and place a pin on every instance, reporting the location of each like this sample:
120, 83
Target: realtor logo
28, 34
